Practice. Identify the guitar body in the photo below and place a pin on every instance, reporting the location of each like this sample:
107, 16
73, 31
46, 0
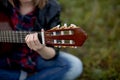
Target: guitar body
5, 25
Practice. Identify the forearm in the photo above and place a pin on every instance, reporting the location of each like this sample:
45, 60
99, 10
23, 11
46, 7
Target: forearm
47, 52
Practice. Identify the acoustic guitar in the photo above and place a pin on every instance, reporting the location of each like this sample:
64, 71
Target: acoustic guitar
58, 36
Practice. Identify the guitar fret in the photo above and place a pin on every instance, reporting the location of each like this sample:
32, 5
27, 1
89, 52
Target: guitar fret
17, 35
13, 36
20, 38
8, 36
1, 36
10, 39
4, 34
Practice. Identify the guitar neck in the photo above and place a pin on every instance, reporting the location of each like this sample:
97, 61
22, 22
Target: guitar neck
13, 36
63, 36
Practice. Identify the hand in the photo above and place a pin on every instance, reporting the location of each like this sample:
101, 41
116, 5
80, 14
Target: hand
33, 42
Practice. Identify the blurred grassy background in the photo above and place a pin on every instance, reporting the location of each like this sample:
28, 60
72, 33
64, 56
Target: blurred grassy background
101, 20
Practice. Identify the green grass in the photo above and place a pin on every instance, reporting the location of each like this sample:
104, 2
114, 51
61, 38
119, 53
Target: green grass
101, 51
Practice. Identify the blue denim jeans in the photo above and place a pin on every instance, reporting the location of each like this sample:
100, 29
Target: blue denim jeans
64, 67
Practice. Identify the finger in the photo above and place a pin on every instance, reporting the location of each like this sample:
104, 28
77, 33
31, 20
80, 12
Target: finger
42, 30
29, 41
26, 37
32, 42
36, 40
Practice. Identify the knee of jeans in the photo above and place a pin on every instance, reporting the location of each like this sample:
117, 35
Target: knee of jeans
76, 67
23, 75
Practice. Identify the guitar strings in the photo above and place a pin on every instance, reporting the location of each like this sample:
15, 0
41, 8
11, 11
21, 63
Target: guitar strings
14, 36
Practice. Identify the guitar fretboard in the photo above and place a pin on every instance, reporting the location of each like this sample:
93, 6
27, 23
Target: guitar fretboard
13, 36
